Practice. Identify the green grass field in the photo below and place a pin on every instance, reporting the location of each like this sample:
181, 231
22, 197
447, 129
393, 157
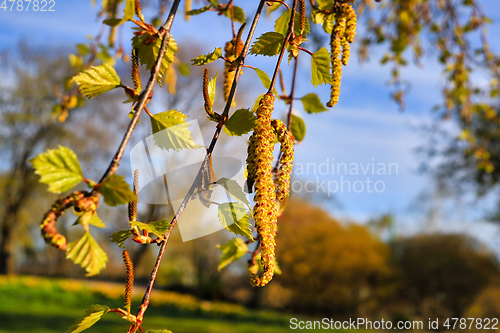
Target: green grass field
40, 305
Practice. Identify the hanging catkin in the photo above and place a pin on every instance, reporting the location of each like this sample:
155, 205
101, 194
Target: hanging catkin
286, 160
342, 35
264, 211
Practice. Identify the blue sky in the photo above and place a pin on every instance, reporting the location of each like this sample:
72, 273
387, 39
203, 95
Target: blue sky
365, 127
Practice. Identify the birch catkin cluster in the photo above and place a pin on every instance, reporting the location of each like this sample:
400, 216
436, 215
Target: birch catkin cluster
259, 167
342, 36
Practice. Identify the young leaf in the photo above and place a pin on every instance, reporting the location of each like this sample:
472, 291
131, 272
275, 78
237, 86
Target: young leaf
298, 128
268, 44
231, 251
281, 25
238, 14
97, 80
320, 67
89, 217
158, 331
59, 168
198, 11
120, 237
148, 53
129, 11
236, 212
83, 49
234, 189
116, 191
264, 78
212, 84
206, 59
170, 131
159, 228
312, 103
113, 22
92, 315
241, 122
87, 253
325, 4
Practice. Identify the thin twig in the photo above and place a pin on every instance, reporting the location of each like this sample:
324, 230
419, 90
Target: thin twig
231, 9
282, 2
194, 186
145, 96
305, 50
292, 93
283, 48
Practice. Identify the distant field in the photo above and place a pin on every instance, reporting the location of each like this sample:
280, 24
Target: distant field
29, 304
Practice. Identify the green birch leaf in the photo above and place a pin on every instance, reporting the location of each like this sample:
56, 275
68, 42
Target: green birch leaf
234, 189
59, 168
89, 218
328, 23
238, 13
268, 44
206, 59
236, 212
212, 85
75, 61
83, 49
92, 315
116, 191
320, 67
113, 22
198, 11
281, 25
325, 4
241, 122
120, 237
264, 78
312, 103
317, 16
159, 228
298, 128
97, 80
170, 131
231, 251
148, 53
129, 10
88, 254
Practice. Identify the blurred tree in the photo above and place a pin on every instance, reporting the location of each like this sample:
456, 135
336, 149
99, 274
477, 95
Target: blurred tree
442, 274
329, 268
27, 127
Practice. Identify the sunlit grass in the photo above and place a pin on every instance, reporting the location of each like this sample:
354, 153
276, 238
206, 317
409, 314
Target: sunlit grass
29, 304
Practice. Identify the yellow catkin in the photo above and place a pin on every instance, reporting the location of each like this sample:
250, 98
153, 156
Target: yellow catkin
264, 211
302, 8
342, 32
251, 164
138, 9
130, 280
346, 51
206, 96
286, 160
132, 206
136, 77
350, 30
